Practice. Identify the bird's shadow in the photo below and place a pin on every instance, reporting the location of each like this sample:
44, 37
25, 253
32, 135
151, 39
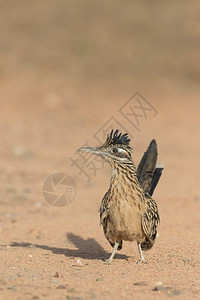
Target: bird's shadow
86, 249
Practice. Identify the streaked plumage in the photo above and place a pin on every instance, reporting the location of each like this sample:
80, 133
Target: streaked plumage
127, 211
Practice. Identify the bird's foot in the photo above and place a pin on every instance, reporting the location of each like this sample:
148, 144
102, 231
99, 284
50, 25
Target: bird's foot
108, 261
113, 253
143, 261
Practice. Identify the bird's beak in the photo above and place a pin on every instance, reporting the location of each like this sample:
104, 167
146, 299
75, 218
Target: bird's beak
93, 150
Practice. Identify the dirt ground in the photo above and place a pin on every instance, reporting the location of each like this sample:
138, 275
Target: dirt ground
67, 70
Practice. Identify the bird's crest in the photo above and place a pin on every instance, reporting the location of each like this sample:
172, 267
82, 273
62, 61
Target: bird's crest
117, 138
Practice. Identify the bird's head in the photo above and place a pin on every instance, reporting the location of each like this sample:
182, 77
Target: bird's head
115, 150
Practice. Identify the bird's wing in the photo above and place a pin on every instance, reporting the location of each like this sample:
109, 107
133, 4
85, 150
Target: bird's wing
150, 219
146, 166
104, 208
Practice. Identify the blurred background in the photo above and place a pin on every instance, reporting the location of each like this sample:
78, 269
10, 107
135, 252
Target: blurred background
68, 66
69, 71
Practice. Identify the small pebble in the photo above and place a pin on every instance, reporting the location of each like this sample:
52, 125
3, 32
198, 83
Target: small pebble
72, 290
158, 286
61, 286
57, 275
197, 198
175, 292
79, 263
10, 215
10, 191
9, 247
19, 198
92, 295
73, 298
100, 279
31, 246
54, 281
140, 283
26, 190
10, 288
20, 151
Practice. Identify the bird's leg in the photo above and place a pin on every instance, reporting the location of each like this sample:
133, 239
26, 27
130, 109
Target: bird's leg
113, 252
142, 259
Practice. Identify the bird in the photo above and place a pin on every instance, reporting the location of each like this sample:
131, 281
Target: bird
127, 211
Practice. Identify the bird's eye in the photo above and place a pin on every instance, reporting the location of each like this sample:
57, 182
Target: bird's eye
114, 150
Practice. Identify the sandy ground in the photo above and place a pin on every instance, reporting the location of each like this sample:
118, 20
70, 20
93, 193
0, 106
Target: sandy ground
67, 70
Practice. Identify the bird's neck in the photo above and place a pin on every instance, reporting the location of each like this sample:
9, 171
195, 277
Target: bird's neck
124, 181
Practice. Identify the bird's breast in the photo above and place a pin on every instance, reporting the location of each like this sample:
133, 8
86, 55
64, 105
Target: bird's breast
124, 218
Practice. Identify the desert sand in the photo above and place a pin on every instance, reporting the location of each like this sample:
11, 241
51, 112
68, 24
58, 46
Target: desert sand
69, 71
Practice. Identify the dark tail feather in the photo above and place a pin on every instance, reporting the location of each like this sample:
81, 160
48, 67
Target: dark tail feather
156, 176
146, 167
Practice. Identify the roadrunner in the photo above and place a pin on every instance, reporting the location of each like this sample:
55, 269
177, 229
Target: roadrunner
127, 211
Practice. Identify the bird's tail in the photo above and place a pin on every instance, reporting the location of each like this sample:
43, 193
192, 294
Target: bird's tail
156, 176
148, 175
148, 172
